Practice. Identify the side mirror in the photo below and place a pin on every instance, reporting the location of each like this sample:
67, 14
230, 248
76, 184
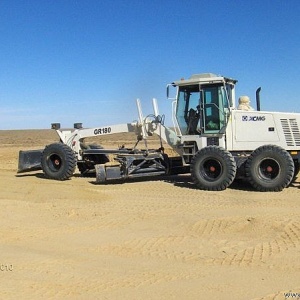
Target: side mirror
168, 92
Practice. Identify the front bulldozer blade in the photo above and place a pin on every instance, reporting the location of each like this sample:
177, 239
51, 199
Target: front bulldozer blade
30, 161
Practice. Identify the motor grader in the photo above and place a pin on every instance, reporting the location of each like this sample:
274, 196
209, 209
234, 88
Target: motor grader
215, 141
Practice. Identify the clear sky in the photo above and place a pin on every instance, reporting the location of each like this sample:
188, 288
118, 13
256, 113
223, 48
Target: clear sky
87, 61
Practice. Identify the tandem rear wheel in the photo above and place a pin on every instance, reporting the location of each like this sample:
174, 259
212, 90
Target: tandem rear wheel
269, 168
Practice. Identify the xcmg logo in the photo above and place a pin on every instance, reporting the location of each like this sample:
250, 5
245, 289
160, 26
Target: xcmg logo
253, 118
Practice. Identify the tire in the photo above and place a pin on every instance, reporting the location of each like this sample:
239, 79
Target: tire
213, 168
58, 161
269, 168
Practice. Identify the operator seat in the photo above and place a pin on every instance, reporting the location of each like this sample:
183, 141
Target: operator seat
193, 120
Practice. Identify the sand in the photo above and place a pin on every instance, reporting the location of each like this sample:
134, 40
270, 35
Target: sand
142, 239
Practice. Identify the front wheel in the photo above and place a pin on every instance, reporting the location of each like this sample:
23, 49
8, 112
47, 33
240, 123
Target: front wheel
58, 161
269, 168
213, 168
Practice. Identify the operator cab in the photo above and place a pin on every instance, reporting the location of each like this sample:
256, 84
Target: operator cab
203, 103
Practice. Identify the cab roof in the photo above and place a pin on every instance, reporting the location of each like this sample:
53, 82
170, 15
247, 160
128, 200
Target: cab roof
204, 78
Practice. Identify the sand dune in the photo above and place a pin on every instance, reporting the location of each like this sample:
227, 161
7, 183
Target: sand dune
142, 239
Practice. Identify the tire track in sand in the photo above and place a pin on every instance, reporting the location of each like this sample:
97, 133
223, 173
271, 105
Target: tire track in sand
193, 245
261, 252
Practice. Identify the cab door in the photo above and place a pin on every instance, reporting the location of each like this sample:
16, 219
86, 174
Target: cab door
215, 107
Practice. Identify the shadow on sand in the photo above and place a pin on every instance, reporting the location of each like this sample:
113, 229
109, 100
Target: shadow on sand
180, 180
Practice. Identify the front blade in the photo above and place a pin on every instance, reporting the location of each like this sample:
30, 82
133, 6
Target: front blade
30, 160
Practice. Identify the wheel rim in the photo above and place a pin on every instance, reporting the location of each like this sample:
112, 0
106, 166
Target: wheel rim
269, 169
211, 169
54, 162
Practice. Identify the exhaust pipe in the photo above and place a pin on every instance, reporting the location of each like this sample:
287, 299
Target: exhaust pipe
258, 98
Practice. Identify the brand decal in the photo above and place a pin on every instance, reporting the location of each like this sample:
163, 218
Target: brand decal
253, 118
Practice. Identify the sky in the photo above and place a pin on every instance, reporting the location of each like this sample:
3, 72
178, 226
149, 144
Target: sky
88, 61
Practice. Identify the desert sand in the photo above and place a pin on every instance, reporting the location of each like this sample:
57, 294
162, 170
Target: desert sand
153, 238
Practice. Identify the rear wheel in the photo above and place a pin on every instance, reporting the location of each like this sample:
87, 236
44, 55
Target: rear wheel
213, 168
269, 168
58, 161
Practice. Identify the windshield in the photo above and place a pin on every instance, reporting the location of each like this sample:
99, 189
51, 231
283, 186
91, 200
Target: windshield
202, 111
